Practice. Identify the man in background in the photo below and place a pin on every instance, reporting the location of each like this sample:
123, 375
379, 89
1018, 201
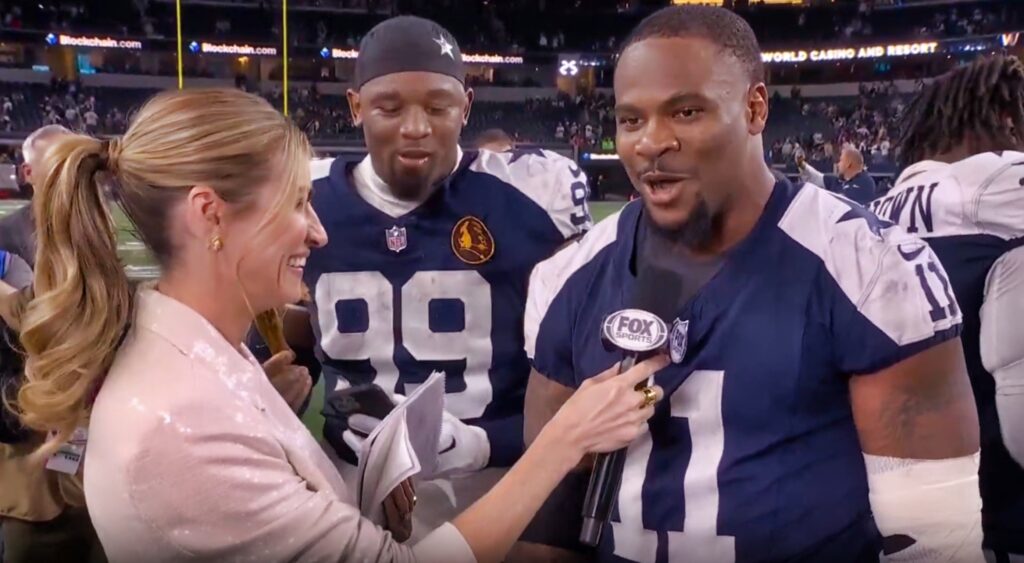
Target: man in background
17, 230
852, 181
42, 512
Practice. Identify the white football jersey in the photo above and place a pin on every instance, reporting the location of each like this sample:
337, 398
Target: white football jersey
971, 212
980, 195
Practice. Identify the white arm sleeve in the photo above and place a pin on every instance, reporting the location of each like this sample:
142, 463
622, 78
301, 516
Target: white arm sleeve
927, 510
1002, 345
810, 174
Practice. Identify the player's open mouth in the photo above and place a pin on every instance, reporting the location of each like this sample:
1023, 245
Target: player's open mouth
662, 188
297, 262
414, 157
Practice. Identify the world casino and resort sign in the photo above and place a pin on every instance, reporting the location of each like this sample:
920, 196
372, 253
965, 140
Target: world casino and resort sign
850, 53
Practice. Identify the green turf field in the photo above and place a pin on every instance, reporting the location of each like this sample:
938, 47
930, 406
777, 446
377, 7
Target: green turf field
138, 261
140, 264
601, 209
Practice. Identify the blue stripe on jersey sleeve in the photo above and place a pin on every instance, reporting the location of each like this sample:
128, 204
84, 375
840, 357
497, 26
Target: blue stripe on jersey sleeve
553, 356
506, 439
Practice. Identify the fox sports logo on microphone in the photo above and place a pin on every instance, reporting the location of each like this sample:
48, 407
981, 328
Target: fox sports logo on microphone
635, 330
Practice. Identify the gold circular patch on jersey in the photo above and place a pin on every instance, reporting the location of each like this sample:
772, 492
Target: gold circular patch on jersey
471, 241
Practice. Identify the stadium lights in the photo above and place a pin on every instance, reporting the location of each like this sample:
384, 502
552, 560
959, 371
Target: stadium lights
196, 47
570, 64
850, 53
231, 49
65, 40
481, 58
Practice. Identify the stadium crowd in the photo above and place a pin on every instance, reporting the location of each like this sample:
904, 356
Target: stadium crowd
582, 121
814, 128
867, 122
509, 26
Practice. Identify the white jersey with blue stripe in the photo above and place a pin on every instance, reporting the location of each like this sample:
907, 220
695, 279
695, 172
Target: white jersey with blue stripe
442, 287
971, 212
754, 455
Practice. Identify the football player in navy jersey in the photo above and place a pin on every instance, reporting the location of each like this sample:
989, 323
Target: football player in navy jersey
964, 194
817, 407
431, 254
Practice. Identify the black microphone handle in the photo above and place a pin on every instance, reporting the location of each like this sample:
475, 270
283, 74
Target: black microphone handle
605, 479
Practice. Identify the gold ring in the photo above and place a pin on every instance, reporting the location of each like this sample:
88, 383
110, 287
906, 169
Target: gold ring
414, 499
650, 396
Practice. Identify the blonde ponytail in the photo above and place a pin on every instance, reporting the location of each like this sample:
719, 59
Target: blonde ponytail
83, 302
226, 139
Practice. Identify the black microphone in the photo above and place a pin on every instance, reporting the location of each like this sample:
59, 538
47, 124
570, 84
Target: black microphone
639, 332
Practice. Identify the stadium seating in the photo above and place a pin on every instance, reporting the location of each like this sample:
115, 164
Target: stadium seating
326, 118
537, 28
593, 25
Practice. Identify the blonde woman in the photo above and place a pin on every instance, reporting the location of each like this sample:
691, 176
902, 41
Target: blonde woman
192, 455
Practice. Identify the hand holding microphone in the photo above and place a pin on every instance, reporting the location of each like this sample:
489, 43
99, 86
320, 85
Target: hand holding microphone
608, 411
638, 332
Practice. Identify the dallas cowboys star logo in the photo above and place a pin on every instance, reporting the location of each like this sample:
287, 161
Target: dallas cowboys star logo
446, 47
875, 224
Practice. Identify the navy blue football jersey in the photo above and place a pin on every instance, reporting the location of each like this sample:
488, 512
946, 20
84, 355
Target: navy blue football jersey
753, 455
971, 212
861, 188
442, 287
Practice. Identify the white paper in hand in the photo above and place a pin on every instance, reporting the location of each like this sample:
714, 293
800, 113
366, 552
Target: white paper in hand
402, 445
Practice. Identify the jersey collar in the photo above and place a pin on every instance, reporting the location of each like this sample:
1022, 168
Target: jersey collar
375, 191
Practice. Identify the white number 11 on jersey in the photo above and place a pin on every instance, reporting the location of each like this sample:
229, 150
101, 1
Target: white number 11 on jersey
699, 400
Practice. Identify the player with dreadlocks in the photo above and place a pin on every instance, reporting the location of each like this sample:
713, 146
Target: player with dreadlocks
974, 109
963, 136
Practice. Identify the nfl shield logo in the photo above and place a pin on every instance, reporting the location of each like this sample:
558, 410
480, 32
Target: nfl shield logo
396, 238
677, 341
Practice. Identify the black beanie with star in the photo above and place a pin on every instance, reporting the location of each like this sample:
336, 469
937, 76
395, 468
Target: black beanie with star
408, 44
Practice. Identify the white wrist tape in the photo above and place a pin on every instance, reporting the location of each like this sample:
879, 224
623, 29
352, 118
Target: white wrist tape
927, 510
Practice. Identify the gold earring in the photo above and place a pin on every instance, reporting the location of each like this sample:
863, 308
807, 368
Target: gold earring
216, 243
